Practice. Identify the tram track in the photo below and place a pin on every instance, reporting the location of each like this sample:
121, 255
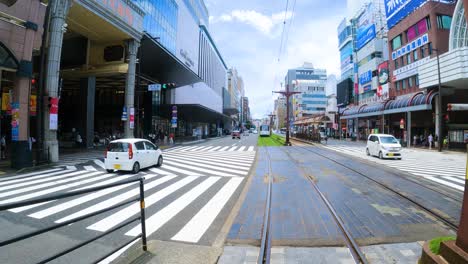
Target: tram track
437, 215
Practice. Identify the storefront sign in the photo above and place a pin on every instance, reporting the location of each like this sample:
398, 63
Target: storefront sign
408, 70
397, 10
365, 77
124, 114
174, 117
154, 87
53, 113
32, 104
413, 45
383, 73
367, 88
15, 121
132, 118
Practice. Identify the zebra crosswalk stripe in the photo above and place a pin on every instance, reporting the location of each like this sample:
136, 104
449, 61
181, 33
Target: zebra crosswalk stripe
99, 163
216, 169
231, 161
29, 176
120, 216
211, 162
215, 148
154, 222
186, 165
197, 226
115, 200
251, 148
224, 148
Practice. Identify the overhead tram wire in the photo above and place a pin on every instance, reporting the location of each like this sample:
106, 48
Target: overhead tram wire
284, 26
290, 25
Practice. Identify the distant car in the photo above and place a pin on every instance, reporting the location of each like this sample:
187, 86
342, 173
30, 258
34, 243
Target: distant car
132, 155
255, 131
383, 146
236, 134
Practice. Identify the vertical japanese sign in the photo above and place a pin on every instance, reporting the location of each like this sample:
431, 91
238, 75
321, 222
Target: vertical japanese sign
132, 117
15, 121
53, 116
174, 117
32, 104
383, 77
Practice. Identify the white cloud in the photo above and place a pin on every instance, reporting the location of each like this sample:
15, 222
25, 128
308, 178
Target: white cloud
259, 21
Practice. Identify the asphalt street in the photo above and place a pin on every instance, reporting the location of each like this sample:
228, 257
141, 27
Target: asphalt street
187, 200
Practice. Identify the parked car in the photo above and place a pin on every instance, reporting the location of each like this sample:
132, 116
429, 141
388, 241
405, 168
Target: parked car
132, 155
383, 146
236, 134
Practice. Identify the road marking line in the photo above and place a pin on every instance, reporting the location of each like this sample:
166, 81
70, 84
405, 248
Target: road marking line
246, 167
51, 182
185, 165
224, 148
232, 149
223, 160
251, 148
214, 168
453, 179
207, 148
157, 220
115, 200
100, 163
35, 175
59, 188
71, 167
242, 148
89, 168
120, 216
213, 149
197, 226
215, 154
182, 171
37, 180
197, 148
24, 208
455, 186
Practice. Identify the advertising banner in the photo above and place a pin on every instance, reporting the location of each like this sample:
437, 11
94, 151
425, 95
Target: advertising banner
365, 77
6, 106
15, 122
396, 10
124, 114
413, 45
32, 104
174, 117
53, 113
409, 70
365, 36
132, 117
383, 73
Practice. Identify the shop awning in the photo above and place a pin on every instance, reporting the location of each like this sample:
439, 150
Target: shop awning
159, 63
408, 103
313, 120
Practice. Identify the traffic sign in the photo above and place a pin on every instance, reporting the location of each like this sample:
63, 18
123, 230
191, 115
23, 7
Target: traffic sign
154, 87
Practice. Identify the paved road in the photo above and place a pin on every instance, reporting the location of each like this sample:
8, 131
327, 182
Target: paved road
187, 199
446, 168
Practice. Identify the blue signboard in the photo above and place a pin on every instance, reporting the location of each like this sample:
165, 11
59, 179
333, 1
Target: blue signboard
365, 35
422, 40
365, 77
367, 88
396, 10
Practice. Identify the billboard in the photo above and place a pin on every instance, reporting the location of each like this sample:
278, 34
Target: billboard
396, 10
366, 30
383, 73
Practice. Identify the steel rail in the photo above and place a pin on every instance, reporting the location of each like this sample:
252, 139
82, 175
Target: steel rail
265, 246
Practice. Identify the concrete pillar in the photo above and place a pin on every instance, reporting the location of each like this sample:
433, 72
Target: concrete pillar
88, 92
408, 129
132, 46
58, 13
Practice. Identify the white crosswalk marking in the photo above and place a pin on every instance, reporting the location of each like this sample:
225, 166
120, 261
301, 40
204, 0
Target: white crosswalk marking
115, 200
205, 176
447, 170
157, 220
132, 209
197, 226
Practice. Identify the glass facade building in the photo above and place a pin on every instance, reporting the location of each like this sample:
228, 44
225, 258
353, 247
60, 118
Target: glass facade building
161, 21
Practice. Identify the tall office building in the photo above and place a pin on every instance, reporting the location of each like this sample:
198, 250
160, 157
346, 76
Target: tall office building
310, 82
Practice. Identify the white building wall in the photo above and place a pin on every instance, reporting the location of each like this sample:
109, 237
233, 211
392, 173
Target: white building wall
199, 93
187, 44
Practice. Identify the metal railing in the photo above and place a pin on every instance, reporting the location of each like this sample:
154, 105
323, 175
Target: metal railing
140, 217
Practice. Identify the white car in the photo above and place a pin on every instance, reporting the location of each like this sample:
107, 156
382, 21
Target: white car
255, 132
132, 155
383, 146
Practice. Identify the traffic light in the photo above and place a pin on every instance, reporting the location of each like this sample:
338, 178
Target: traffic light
168, 86
447, 118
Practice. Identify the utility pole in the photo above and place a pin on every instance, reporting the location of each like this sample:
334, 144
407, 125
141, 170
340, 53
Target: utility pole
287, 94
439, 106
271, 121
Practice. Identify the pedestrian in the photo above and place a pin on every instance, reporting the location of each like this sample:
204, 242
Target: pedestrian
415, 140
3, 147
78, 139
430, 139
161, 137
446, 142
31, 141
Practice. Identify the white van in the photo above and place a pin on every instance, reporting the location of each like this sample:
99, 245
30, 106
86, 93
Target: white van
383, 146
132, 155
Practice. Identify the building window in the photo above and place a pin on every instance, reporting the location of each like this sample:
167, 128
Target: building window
429, 46
408, 58
396, 64
402, 61
416, 80
415, 55
403, 84
397, 85
443, 21
396, 42
428, 21
422, 52
410, 82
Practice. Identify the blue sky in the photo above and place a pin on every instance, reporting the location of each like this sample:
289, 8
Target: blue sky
248, 34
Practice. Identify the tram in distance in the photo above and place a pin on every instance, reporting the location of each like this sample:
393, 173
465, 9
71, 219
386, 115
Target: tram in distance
264, 130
